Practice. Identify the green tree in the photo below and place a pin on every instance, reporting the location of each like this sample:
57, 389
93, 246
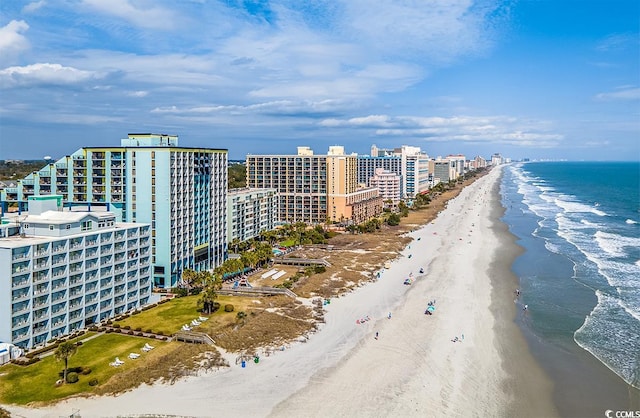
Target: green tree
237, 176
393, 219
209, 294
234, 244
249, 259
63, 352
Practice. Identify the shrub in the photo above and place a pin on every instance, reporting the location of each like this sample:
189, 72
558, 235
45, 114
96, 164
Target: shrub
72, 377
93, 382
116, 325
78, 343
149, 331
127, 327
228, 308
109, 331
86, 371
139, 329
93, 328
160, 333
118, 330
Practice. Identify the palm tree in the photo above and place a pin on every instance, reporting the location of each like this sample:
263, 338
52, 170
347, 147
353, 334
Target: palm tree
212, 283
63, 352
235, 243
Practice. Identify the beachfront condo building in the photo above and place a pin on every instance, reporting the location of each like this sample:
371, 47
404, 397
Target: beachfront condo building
315, 188
62, 270
477, 163
410, 163
180, 191
459, 164
388, 184
250, 212
443, 170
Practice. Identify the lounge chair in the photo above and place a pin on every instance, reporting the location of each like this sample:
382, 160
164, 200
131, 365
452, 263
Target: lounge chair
202, 318
195, 323
147, 347
119, 362
186, 328
114, 364
133, 356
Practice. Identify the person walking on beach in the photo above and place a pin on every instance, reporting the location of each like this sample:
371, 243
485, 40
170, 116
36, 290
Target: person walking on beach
376, 335
525, 307
389, 316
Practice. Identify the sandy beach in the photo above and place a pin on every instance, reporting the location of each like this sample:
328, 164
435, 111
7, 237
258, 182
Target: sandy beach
413, 368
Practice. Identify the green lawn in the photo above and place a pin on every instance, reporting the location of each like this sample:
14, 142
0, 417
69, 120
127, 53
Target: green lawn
36, 382
168, 317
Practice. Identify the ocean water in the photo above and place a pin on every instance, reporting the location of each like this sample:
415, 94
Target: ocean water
579, 224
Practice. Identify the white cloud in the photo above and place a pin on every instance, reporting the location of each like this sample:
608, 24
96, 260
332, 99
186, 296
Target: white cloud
281, 107
43, 74
624, 93
491, 129
145, 17
12, 41
439, 30
33, 6
138, 93
617, 41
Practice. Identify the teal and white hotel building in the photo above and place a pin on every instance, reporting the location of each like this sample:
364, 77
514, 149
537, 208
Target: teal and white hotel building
179, 191
61, 270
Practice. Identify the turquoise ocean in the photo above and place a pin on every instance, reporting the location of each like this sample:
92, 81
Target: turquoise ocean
579, 274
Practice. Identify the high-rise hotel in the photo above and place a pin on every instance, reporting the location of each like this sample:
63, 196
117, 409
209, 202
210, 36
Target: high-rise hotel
180, 191
315, 188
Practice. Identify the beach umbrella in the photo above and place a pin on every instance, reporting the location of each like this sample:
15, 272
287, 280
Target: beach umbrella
431, 308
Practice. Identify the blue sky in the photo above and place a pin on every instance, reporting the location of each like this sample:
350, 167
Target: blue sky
529, 78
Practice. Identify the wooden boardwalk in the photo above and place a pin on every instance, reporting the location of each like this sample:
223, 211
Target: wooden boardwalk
257, 291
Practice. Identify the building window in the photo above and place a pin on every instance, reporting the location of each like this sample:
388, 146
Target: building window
68, 226
85, 226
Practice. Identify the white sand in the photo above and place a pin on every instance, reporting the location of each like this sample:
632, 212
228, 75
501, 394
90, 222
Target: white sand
413, 369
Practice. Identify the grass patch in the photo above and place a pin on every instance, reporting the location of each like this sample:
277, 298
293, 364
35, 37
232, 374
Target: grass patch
171, 316
168, 317
22, 385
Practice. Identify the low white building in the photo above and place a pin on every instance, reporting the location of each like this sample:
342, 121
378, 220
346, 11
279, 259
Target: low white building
9, 352
61, 271
251, 211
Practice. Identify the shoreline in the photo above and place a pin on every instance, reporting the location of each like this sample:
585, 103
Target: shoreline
413, 369
512, 337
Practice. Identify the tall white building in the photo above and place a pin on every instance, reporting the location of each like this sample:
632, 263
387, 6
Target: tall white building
410, 163
61, 271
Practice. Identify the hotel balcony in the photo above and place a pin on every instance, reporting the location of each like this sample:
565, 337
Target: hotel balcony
20, 296
21, 281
